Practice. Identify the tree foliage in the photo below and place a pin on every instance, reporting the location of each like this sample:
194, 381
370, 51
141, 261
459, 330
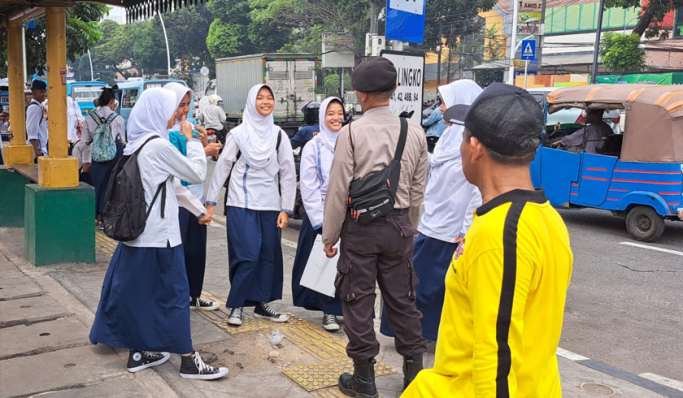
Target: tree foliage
82, 32
621, 53
651, 16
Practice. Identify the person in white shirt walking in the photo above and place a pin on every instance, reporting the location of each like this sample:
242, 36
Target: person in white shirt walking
36, 122
192, 233
74, 119
144, 304
450, 202
261, 194
316, 162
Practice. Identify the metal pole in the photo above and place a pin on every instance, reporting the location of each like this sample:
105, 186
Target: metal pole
373, 21
92, 73
341, 83
168, 53
526, 68
23, 45
513, 42
438, 63
596, 51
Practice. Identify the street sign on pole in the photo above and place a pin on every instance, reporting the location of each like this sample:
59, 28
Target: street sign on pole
528, 50
405, 23
410, 69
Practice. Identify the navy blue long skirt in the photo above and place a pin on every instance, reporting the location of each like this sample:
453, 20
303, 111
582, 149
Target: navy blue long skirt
304, 297
431, 259
99, 176
145, 301
193, 236
255, 256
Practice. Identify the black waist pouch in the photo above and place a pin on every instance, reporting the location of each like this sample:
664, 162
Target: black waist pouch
373, 196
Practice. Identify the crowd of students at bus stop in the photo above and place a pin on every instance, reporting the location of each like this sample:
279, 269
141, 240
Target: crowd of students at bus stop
486, 274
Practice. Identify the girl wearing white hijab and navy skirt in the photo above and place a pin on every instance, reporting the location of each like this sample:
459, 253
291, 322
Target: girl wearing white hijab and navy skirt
192, 233
261, 193
316, 161
144, 303
450, 202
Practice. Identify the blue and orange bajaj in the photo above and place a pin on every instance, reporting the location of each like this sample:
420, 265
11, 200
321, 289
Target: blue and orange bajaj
637, 175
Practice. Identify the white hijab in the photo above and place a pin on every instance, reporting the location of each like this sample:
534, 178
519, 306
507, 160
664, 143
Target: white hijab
461, 92
214, 99
257, 135
180, 91
149, 117
326, 136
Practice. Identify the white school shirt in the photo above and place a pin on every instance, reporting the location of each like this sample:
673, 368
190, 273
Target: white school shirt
35, 129
450, 202
117, 126
314, 175
74, 115
159, 161
255, 189
82, 152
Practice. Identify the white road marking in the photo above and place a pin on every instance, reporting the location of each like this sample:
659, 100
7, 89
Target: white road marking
675, 384
659, 249
569, 355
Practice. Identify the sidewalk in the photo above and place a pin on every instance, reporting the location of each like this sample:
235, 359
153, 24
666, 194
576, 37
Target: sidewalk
46, 313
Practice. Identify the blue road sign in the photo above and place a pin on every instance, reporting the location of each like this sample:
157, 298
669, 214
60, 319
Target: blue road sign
528, 50
405, 26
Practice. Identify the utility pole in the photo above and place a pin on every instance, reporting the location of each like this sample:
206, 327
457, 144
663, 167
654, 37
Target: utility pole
450, 51
373, 19
596, 51
513, 42
438, 66
168, 53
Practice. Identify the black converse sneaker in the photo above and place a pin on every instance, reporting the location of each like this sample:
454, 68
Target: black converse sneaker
139, 360
199, 303
235, 318
330, 323
263, 310
193, 367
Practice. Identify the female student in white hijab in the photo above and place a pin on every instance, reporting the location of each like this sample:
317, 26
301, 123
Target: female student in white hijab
316, 161
192, 233
144, 304
261, 194
450, 202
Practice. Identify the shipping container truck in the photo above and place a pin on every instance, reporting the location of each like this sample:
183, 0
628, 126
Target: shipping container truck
292, 77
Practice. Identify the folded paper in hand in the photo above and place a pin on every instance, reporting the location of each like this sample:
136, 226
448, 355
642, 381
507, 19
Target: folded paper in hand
320, 271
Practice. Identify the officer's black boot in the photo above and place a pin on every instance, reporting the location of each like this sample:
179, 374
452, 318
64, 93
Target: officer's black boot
362, 383
411, 367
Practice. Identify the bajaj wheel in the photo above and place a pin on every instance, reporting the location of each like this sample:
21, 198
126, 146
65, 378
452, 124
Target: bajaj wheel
644, 224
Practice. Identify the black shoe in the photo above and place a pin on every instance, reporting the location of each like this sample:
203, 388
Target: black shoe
330, 323
362, 383
263, 310
411, 367
198, 303
139, 360
193, 367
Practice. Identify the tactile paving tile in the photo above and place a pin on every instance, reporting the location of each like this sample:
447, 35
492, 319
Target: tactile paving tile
104, 244
326, 374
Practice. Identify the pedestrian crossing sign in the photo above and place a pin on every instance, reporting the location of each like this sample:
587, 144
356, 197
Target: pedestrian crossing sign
528, 50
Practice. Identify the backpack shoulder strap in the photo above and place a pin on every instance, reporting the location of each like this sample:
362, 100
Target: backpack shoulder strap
111, 118
96, 118
279, 140
143, 145
41, 110
401, 140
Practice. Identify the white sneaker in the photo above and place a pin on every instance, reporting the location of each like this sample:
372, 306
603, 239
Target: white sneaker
263, 310
235, 318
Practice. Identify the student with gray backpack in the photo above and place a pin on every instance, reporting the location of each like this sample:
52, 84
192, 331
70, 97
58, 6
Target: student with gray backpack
104, 131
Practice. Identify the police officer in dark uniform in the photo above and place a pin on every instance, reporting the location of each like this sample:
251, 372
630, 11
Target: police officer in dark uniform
378, 251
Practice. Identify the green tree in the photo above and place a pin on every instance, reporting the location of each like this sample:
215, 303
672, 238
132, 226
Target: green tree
651, 16
82, 32
621, 52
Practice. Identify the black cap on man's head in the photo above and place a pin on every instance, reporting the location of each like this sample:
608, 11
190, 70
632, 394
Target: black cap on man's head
377, 75
503, 117
38, 85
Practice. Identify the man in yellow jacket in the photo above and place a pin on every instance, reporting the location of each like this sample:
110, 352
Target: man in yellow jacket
506, 289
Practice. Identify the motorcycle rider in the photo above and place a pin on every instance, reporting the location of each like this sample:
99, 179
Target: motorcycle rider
311, 125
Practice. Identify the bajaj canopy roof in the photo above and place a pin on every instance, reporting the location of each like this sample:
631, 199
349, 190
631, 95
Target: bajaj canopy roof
654, 117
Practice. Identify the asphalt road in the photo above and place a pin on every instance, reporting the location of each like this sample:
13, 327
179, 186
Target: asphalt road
625, 303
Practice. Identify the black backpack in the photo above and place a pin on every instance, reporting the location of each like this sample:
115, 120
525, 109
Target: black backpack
373, 196
125, 209
226, 185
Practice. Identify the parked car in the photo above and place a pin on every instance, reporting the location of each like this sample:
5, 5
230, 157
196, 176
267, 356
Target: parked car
638, 175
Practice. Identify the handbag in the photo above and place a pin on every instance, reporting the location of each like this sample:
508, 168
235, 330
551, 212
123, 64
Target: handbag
320, 271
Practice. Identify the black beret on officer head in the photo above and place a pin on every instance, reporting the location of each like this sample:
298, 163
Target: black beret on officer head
377, 75
38, 85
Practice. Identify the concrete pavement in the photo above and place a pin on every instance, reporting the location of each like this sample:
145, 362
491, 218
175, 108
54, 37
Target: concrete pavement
46, 313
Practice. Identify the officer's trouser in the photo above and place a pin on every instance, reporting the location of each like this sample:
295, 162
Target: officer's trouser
381, 251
